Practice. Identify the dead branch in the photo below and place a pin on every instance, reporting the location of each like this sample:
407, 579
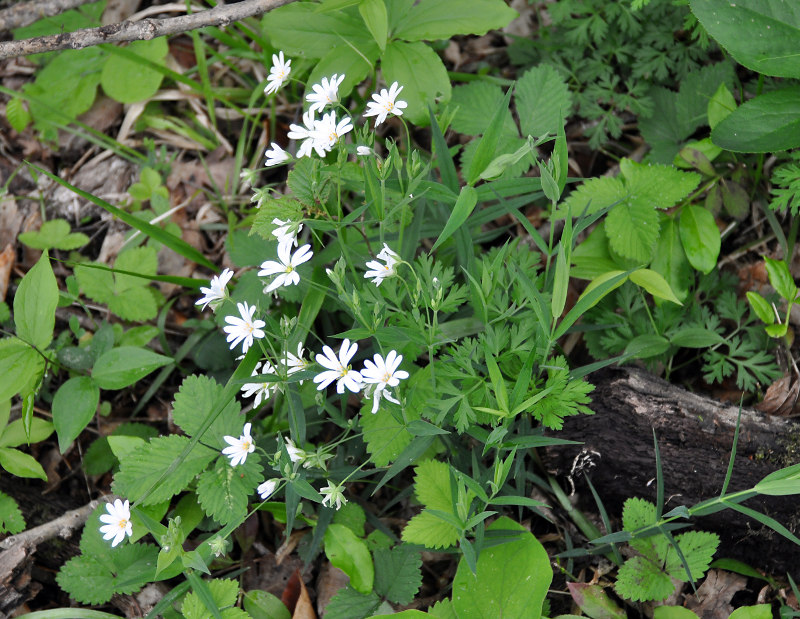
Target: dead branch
26, 13
146, 29
63, 526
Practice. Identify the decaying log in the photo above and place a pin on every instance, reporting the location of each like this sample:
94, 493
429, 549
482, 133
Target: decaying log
695, 437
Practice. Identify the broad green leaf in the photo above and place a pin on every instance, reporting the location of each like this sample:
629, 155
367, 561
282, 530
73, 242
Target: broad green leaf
354, 62
417, 68
767, 123
594, 601
780, 278
646, 346
700, 237
655, 284
463, 208
54, 233
698, 548
511, 581
386, 437
397, 574
224, 491
351, 555
670, 259
593, 293
592, 258
129, 81
121, 367
432, 487
543, 100
15, 433
429, 531
17, 115
632, 229
35, 304
121, 445
472, 102
264, 605
217, 594
195, 401
21, 464
144, 467
487, 145
639, 579
299, 30
11, 519
696, 337
759, 611
74, 406
674, 612
22, 366
763, 35
761, 307
440, 19
374, 14
720, 106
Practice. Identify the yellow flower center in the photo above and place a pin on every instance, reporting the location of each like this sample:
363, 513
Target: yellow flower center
387, 377
289, 268
246, 445
122, 524
388, 106
333, 136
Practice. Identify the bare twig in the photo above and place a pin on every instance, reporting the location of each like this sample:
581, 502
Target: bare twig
147, 29
63, 526
26, 13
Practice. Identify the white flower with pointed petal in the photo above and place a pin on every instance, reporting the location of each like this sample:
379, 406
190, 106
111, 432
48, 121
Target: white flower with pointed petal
333, 494
327, 131
325, 93
379, 271
266, 489
298, 132
386, 103
216, 291
238, 448
383, 373
338, 369
295, 363
278, 73
286, 232
364, 151
275, 155
117, 522
286, 265
243, 329
295, 453
261, 391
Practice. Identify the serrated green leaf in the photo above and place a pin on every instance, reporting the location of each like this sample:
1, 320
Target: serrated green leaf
397, 574
74, 406
385, 436
11, 519
145, 466
543, 101
225, 490
472, 102
435, 19
223, 595
195, 401
632, 228
432, 485
17, 115
349, 603
351, 555
123, 366
698, 548
429, 531
417, 68
593, 195
35, 304
511, 580
54, 233
640, 580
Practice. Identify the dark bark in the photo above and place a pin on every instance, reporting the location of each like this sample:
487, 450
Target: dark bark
695, 438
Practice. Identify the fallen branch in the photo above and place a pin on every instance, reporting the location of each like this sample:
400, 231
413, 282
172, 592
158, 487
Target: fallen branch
63, 527
146, 29
26, 13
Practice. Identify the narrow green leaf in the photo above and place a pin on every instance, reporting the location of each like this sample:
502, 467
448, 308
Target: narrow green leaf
595, 291
444, 161
761, 307
487, 145
123, 366
464, 206
374, 14
780, 278
655, 284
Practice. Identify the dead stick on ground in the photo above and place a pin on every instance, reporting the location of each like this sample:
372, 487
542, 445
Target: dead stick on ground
26, 13
63, 526
146, 29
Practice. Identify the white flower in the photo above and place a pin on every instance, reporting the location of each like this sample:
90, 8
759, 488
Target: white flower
339, 369
333, 494
243, 329
364, 151
286, 232
285, 268
379, 271
327, 131
295, 453
325, 93
216, 291
386, 103
117, 522
276, 155
383, 374
266, 489
260, 390
297, 132
278, 73
295, 363
238, 448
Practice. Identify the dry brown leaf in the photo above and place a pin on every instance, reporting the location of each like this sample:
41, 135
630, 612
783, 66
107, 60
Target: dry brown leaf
331, 580
781, 397
289, 545
10, 220
304, 609
291, 593
714, 595
6, 264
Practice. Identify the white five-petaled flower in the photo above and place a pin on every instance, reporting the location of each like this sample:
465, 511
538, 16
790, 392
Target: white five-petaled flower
117, 522
379, 271
295, 363
286, 265
238, 448
266, 489
298, 132
383, 373
333, 494
243, 329
260, 390
286, 232
327, 131
275, 155
295, 453
216, 290
364, 151
325, 93
338, 369
278, 73
386, 103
